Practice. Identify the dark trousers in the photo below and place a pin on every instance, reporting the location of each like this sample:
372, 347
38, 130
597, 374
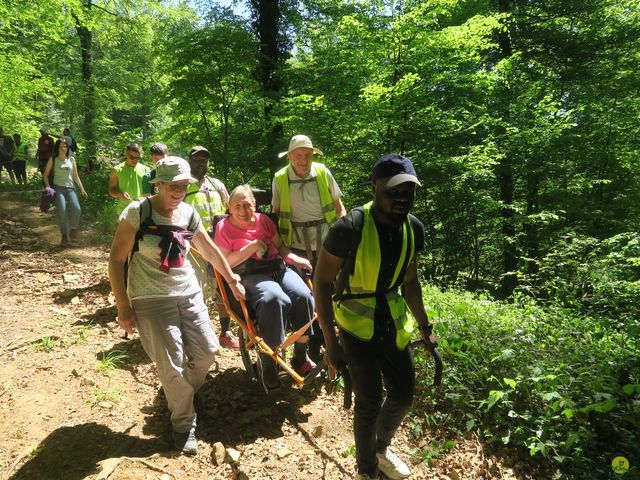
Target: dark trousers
376, 419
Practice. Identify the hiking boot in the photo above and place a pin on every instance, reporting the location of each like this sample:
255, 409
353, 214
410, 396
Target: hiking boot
73, 234
391, 465
64, 241
229, 340
301, 362
185, 442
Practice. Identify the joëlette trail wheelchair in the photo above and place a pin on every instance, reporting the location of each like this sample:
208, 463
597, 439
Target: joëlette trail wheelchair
251, 344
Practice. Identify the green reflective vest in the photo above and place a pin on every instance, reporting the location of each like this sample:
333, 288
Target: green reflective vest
284, 215
206, 200
20, 152
356, 315
130, 181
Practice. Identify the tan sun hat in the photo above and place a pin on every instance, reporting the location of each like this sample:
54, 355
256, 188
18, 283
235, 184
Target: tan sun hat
173, 169
300, 141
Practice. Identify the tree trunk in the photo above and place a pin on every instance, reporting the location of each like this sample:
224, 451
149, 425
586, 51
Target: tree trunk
88, 88
504, 177
267, 25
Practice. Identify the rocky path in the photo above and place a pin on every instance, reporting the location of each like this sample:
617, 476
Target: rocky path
77, 401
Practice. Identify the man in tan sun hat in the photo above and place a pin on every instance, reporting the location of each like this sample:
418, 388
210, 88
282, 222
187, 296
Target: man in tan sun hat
306, 198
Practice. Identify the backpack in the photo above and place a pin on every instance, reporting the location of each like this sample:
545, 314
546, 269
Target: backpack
146, 220
349, 264
216, 186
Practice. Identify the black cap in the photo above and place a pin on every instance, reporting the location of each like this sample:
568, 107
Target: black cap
199, 149
394, 169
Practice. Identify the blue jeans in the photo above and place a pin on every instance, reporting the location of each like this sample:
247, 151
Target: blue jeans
68, 208
277, 302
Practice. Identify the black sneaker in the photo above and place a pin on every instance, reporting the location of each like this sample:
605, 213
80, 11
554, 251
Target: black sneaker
185, 442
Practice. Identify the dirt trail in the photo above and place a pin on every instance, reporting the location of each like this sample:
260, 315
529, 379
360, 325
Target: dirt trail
66, 413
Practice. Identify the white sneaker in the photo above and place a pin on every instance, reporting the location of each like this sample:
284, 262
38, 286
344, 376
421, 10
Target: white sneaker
391, 465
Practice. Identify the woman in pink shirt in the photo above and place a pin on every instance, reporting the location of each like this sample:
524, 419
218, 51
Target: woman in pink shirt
250, 243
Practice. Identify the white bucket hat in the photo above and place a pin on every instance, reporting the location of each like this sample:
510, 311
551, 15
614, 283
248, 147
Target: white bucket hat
300, 141
173, 169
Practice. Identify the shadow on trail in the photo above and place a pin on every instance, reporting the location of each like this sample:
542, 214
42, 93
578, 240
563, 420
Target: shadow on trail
239, 411
73, 452
103, 288
134, 357
102, 316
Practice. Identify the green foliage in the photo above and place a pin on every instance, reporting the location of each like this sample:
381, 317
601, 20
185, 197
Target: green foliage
600, 277
46, 344
348, 451
560, 384
111, 361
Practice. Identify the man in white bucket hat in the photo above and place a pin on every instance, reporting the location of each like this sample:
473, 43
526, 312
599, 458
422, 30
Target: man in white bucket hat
307, 200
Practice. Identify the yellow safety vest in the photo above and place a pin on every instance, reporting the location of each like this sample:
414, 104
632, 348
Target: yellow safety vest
356, 315
284, 215
207, 202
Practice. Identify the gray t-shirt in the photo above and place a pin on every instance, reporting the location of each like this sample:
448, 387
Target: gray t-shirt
145, 277
63, 172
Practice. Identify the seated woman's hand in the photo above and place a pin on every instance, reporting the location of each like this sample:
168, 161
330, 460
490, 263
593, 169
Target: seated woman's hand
261, 248
300, 263
237, 288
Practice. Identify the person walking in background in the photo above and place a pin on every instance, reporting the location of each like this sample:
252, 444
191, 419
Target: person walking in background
6, 155
125, 179
20, 157
65, 179
307, 200
72, 141
45, 149
160, 297
376, 245
158, 151
209, 197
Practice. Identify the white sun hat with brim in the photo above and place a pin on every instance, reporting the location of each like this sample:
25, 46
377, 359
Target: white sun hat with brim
173, 169
300, 141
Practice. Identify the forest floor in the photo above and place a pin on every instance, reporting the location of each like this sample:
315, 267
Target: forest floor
68, 412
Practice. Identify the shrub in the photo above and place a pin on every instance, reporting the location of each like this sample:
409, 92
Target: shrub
558, 383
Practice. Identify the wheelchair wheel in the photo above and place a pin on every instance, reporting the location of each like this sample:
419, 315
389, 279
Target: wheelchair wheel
250, 357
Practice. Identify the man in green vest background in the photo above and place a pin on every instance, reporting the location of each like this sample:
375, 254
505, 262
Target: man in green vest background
125, 179
20, 157
209, 198
306, 199
158, 151
372, 254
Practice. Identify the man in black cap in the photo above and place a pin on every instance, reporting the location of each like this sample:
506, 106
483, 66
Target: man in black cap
209, 197
371, 252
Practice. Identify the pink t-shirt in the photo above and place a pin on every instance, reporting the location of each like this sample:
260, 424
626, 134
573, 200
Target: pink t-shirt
233, 238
